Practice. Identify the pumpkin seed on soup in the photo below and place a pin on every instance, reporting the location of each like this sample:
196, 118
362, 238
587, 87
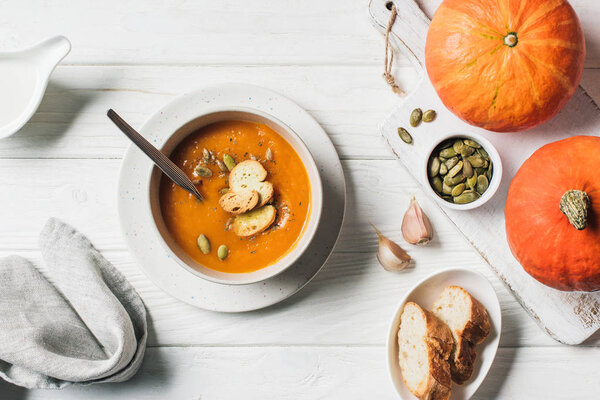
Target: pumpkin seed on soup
405, 136
429, 115
223, 191
229, 161
203, 171
222, 252
203, 244
415, 117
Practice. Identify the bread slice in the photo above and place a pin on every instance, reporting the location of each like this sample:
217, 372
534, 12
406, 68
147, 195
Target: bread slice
254, 221
425, 344
251, 175
469, 322
239, 202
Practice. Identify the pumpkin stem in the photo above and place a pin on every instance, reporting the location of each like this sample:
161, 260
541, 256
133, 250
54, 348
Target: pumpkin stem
575, 204
511, 39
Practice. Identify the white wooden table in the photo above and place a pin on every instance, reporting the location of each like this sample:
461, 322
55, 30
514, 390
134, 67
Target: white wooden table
328, 340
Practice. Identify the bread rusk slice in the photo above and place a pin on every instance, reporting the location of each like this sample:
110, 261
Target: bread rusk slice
251, 175
254, 221
469, 322
425, 345
239, 202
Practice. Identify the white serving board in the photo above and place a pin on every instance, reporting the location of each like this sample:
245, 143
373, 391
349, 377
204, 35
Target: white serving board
567, 317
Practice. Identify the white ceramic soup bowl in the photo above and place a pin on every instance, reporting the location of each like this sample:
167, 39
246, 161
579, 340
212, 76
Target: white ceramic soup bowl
493, 184
311, 225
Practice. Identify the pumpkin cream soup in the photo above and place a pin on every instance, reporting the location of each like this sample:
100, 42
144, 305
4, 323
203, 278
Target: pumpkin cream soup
257, 197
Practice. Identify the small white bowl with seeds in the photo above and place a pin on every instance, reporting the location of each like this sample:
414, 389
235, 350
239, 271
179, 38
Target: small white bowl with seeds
462, 171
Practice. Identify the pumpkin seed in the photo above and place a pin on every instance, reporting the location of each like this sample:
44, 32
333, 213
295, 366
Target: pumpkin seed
454, 180
456, 169
480, 170
203, 171
405, 136
451, 162
429, 115
458, 145
443, 169
449, 152
442, 159
223, 191
466, 151
468, 196
458, 189
467, 169
482, 184
448, 199
222, 166
269, 154
437, 184
486, 164
205, 155
415, 117
483, 153
488, 173
203, 244
476, 161
472, 143
434, 167
229, 161
446, 189
222, 252
472, 181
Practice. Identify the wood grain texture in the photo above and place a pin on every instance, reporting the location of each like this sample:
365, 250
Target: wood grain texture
324, 373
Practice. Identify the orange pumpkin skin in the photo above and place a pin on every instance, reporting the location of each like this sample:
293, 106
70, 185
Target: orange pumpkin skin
539, 235
494, 86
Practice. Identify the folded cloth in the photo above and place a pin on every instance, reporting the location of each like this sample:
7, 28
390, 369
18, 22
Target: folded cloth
86, 326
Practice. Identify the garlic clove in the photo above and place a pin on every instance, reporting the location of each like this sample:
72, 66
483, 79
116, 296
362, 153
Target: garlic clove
391, 256
416, 227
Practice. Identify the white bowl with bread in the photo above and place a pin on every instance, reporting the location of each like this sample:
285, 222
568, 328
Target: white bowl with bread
444, 335
250, 200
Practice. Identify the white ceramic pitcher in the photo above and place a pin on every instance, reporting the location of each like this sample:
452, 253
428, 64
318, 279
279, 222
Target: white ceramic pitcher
24, 76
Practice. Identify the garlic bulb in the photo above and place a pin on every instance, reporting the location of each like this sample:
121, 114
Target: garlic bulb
390, 255
416, 228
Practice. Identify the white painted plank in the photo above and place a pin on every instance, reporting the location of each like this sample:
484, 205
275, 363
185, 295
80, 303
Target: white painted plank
325, 373
348, 101
212, 32
349, 303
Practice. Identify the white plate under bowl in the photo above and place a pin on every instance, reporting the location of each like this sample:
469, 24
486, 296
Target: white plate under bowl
141, 236
424, 294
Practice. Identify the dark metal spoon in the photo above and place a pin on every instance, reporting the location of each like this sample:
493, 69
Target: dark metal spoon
161, 161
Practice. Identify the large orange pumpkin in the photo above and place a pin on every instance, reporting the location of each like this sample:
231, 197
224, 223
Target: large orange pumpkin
553, 214
505, 65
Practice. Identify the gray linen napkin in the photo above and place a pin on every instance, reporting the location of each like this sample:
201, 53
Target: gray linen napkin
86, 326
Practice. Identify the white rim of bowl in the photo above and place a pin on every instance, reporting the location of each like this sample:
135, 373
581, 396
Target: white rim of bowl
496, 176
318, 210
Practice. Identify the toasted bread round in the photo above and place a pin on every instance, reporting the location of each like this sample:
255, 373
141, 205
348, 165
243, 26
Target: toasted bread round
425, 344
239, 202
250, 175
469, 322
254, 221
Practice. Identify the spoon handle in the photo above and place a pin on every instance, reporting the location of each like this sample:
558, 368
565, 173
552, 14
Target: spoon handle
161, 161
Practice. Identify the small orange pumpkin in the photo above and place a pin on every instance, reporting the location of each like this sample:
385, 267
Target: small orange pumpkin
553, 214
505, 65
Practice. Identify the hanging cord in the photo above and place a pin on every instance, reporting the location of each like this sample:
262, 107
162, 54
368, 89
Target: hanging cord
387, 67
